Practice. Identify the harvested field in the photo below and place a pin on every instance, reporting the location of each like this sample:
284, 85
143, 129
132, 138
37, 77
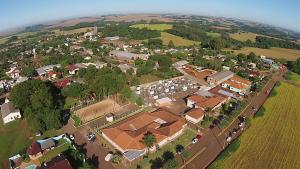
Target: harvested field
158, 27
288, 54
98, 110
272, 141
243, 36
177, 40
138, 17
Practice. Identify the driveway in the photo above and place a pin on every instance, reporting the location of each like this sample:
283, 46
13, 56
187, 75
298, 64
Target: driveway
93, 150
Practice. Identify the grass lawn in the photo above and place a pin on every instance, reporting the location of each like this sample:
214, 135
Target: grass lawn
294, 77
184, 140
13, 138
288, 54
159, 27
70, 102
148, 78
273, 139
63, 146
177, 40
213, 34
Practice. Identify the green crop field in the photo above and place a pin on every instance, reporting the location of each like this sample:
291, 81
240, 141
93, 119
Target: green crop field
79, 30
213, 34
177, 40
159, 27
272, 141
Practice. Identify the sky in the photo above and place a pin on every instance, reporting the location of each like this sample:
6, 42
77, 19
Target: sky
16, 13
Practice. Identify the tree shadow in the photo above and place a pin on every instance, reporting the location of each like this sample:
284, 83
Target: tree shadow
156, 163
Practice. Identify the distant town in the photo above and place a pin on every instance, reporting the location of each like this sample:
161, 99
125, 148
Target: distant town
144, 91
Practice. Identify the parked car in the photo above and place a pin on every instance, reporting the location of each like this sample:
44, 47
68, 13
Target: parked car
195, 140
228, 139
91, 136
198, 136
108, 157
72, 137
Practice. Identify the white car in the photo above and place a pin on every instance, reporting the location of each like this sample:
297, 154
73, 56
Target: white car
108, 157
195, 140
72, 137
228, 139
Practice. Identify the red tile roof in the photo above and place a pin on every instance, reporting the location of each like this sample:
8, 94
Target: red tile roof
195, 113
34, 149
207, 102
62, 83
72, 67
129, 133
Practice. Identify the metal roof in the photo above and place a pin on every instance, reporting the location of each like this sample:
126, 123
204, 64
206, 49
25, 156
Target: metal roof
131, 155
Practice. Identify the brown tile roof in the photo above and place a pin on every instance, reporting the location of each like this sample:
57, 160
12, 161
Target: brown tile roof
34, 149
129, 133
240, 80
207, 102
195, 113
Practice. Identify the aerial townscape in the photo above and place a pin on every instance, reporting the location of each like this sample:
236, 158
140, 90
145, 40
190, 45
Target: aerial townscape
148, 90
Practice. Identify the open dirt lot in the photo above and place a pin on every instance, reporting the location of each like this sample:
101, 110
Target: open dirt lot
97, 110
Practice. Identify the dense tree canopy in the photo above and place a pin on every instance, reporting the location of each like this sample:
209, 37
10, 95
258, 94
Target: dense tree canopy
40, 102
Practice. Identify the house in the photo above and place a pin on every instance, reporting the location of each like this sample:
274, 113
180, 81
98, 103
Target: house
127, 135
58, 162
62, 83
180, 63
42, 71
46, 144
13, 73
194, 115
219, 77
9, 112
127, 56
53, 75
113, 38
15, 161
34, 151
205, 102
73, 69
237, 84
125, 67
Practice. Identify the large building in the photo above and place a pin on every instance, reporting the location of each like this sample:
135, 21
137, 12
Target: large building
237, 84
127, 136
127, 56
42, 71
219, 77
206, 102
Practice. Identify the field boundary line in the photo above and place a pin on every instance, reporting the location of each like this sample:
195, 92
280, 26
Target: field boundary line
192, 158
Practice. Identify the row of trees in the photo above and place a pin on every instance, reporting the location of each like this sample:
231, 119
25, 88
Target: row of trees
294, 66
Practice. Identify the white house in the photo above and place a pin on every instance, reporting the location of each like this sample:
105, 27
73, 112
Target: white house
9, 112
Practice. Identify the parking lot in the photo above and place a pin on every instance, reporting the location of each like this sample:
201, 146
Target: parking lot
171, 88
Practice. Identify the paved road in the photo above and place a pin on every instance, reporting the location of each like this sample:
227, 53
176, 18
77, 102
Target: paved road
93, 150
214, 140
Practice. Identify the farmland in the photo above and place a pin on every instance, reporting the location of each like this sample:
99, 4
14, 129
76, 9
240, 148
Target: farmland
79, 30
159, 27
177, 40
277, 53
213, 34
273, 139
19, 35
243, 36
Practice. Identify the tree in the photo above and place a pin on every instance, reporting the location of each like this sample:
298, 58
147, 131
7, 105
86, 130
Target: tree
171, 164
40, 102
179, 148
126, 92
149, 140
171, 44
139, 101
156, 163
167, 155
75, 90
117, 157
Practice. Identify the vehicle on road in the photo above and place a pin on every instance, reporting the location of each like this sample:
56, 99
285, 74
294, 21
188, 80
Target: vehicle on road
91, 136
108, 157
195, 140
228, 139
71, 136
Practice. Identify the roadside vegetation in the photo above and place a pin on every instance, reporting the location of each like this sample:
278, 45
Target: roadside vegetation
279, 109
